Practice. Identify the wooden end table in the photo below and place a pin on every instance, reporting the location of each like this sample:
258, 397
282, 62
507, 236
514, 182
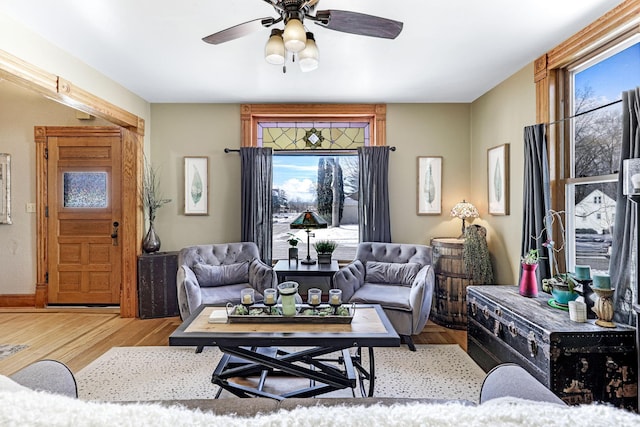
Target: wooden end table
284, 268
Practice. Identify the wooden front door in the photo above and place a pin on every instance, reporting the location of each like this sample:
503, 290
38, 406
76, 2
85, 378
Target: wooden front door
84, 176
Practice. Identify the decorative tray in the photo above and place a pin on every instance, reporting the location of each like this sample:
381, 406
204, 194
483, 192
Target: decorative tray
260, 313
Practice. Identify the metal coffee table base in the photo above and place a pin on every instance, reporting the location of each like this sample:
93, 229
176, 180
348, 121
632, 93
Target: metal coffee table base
324, 374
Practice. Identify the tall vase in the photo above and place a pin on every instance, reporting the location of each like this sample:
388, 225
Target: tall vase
528, 281
151, 242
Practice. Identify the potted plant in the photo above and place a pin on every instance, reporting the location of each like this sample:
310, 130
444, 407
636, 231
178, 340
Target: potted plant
528, 280
152, 200
293, 241
325, 248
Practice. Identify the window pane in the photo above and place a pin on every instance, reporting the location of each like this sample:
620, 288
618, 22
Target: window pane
594, 216
313, 135
597, 134
85, 190
299, 182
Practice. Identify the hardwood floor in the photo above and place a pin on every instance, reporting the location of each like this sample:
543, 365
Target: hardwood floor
76, 337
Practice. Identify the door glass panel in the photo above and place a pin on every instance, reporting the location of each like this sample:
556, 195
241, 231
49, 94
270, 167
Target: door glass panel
85, 190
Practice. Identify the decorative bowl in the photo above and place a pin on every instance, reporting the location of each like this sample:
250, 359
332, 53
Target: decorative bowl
562, 295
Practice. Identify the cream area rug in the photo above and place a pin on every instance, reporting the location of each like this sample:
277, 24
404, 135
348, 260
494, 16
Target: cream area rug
165, 373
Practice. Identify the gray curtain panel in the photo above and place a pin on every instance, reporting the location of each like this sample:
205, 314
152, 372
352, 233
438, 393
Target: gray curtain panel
536, 197
256, 177
624, 228
373, 200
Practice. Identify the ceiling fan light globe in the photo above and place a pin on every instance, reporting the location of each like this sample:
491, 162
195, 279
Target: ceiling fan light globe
294, 36
274, 50
308, 57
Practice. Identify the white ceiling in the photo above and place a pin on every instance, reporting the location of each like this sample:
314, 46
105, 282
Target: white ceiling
448, 51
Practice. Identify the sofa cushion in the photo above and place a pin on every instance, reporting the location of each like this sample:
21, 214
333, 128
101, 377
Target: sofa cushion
217, 275
391, 273
389, 297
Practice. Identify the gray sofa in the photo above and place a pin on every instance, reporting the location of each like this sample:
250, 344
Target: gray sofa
399, 277
215, 274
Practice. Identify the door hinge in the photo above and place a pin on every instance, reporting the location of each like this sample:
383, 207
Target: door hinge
46, 277
46, 211
46, 154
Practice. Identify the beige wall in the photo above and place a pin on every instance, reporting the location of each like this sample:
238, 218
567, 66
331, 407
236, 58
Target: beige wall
499, 117
205, 130
20, 111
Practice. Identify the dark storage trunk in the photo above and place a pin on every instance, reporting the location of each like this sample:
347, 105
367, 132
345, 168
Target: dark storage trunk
579, 362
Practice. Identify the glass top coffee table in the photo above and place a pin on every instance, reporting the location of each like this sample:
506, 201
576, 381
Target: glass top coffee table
332, 356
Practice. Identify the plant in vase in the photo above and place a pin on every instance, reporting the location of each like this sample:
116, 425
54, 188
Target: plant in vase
325, 248
152, 200
293, 241
529, 281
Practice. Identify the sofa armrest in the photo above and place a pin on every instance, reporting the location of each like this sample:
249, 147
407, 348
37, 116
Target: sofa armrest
421, 296
189, 296
261, 276
349, 279
48, 375
511, 380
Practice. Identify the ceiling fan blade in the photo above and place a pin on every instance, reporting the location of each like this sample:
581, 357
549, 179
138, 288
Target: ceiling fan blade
239, 30
359, 23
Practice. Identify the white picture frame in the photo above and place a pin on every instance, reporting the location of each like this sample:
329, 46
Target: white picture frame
498, 179
196, 186
5, 188
429, 185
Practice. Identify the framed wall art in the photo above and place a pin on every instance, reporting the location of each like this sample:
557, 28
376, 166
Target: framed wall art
429, 188
498, 179
5, 188
196, 186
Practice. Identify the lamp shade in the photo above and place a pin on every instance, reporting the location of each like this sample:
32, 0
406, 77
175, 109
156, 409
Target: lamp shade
464, 210
294, 36
308, 57
274, 50
308, 220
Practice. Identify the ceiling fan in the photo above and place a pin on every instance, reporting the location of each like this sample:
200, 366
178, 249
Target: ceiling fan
295, 40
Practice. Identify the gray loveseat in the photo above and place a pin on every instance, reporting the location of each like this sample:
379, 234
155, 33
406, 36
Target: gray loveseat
215, 274
399, 277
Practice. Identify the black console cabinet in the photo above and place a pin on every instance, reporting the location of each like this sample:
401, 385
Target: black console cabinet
157, 294
579, 362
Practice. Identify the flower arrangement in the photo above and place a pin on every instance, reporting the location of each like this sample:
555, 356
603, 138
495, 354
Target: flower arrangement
151, 196
532, 257
558, 279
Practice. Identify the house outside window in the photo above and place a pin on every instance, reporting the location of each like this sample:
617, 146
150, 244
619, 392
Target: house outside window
591, 188
315, 167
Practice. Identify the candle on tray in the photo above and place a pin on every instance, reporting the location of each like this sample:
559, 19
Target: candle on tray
601, 281
335, 297
246, 299
269, 299
315, 299
246, 296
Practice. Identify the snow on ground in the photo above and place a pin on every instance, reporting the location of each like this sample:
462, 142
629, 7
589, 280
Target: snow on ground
346, 236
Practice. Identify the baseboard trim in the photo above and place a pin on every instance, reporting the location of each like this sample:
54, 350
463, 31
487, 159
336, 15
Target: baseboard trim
25, 300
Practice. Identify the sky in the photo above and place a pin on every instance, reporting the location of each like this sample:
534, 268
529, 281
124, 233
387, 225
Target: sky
625, 65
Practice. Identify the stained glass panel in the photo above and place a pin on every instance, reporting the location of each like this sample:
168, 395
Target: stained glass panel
85, 190
313, 135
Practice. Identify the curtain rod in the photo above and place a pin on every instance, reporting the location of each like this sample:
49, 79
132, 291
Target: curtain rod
585, 112
237, 150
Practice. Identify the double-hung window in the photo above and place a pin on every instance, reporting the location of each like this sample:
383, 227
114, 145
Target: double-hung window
594, 88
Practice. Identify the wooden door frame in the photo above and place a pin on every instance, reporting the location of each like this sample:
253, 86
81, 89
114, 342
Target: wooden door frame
132, 127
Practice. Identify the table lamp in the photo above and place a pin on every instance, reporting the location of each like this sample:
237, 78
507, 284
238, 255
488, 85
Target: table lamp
308, 220
464, 210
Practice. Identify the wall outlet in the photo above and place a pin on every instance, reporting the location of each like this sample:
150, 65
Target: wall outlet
31, 207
